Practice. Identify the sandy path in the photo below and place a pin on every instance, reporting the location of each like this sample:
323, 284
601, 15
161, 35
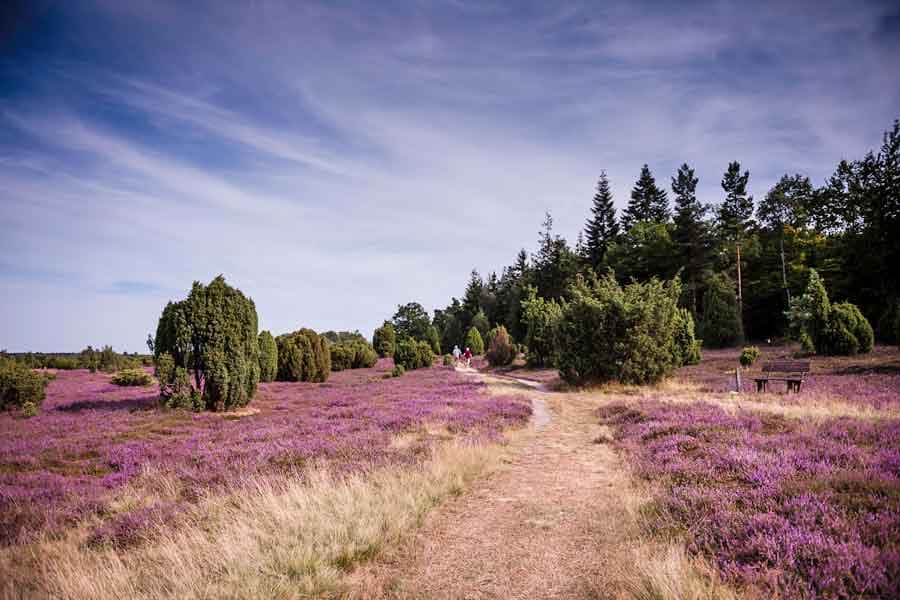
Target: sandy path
534, 529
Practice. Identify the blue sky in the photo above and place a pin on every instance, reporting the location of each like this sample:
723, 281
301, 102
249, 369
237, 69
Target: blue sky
336, 159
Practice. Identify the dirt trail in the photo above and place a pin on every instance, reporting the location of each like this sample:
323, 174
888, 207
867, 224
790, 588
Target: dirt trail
534, 529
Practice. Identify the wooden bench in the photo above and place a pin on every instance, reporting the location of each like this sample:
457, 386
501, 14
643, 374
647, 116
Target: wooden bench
790, 371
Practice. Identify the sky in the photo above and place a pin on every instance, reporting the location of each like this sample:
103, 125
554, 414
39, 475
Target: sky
336, 159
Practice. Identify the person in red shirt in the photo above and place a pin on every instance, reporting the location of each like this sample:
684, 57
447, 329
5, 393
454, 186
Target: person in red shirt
468, 356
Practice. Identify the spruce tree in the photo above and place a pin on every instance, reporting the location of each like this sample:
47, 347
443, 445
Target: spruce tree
602, 228
690, 234
735, 215
648, 202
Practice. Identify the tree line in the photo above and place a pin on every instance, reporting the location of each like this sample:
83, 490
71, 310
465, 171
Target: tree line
740, 261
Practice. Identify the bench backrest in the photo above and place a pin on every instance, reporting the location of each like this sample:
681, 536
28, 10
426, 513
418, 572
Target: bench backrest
786, 366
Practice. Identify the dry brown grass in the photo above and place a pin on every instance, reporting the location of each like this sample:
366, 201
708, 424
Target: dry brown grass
277, 538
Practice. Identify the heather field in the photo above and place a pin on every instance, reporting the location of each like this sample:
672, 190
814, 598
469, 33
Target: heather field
91, 439
798, 506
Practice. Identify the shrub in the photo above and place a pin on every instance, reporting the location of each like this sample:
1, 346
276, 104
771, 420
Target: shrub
384, 340
474, 341
398, 371
839, 329
424, 355
303, 356
541, 318
434, 339
132, 377
29, 409
268, 357
356, 354
213, 334
175, 387
19, 385
719, 322
412, 354
686, 346
501, 352
448, 360
607, 332
749, 356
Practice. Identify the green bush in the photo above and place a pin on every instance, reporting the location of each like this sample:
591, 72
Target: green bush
434, 339
719, 323
836, 330
474, 341
541, 318
303, 356
175, 388
448, 360
132, 377
398, 371
384, 340
412, 354
481, 323
628, 334
268, 357
356, 354
501, 352
29, 409
213, 334
686, 346
20, 386
749, 356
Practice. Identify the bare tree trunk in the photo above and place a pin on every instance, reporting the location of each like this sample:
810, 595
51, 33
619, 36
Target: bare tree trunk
740, 297
787, 290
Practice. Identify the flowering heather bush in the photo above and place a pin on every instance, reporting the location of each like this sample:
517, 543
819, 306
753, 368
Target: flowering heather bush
93, 437
799, 509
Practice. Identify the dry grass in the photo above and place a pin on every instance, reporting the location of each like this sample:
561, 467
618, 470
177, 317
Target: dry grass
276, 538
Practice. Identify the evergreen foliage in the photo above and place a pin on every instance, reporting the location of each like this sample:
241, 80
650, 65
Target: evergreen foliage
481, 323
832, 329
268, 356
690, 235
354, 353
542, 317
411, 321
719, 323
132, 377
501, 350
213, 334
474, 341
631, 334
303, 356
384, 339
601, 229
20, 386
648, 202
434, 339
749, 356
411, 354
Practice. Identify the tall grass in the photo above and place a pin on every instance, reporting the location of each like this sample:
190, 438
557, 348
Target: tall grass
277, 538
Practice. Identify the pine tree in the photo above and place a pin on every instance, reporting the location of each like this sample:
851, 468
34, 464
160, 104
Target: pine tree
602, 228
735, 216
785, 206
690, 234
554, 264
648, 202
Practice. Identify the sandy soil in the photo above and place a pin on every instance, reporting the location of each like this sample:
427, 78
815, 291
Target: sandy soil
534, 529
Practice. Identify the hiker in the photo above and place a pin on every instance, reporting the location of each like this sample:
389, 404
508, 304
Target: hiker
456, 354
468, 356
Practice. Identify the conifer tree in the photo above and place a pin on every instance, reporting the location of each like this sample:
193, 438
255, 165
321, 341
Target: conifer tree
648, 202
735, 216
690, 234
602, 228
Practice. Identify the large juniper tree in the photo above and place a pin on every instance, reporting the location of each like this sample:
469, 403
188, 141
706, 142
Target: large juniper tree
735, 216
602, 228
648, 202
690, 234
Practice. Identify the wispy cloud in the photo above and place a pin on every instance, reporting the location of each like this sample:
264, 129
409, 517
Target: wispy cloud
335, 160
